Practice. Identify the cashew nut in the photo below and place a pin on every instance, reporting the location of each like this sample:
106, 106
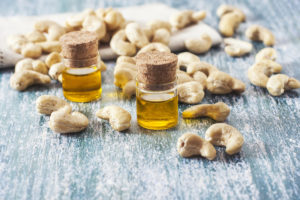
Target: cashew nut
222, 134
126, 59
259, 33
136, 35
260, 72
120, 45
198, 45
190, 92
278, 83
53, 58
183, 77
75, 22
158, 24
190, 144
31, 50
93, 24
118, 118
200, 77
235, 47
46, 104
30, 64
36, 36
184, 18
225, 9
65, 121
53, 29
229, 23
56, 70
189, 61
113, 19
50, 46
16, 42
25, 78
218, 111
267, 53
154, 46
161, 35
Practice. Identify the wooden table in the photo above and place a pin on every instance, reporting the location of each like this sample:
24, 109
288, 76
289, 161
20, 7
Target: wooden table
99, 163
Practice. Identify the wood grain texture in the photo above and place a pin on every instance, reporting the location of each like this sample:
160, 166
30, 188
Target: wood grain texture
100, 163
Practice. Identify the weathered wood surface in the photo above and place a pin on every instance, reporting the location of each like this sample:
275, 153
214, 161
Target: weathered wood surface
100, 163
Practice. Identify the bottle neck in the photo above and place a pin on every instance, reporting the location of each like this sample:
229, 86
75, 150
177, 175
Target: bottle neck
156, 87
80, 63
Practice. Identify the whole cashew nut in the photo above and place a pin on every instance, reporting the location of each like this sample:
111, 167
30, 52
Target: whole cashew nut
183, 77
65, 121
53, 58
260, 72
120, 45
229, 23
136, 35
118, 118
190, 144
222, 134
31, 50
54, 30
56, 70
161, 35
36, 36
199, 45
30, 64
46, 104
95, 25
260, 33
267, 53
154, 46
235, 47
50, 46
201, 78
190, 92
184, 18
225, 9
75, 22
218, 111
114, 20
278, 83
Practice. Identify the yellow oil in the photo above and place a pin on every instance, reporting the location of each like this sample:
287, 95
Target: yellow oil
82, 84
157, 111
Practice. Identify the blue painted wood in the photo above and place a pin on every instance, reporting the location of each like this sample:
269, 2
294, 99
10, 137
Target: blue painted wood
100, 163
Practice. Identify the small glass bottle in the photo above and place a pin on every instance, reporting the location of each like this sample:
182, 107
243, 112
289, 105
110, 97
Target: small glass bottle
156, 93
81, 79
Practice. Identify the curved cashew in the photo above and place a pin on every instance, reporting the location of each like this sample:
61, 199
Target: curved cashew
161, 35
267, 53
53, 58
30, 64
53, 29
278, 83
125, 59
225, 9
65, 121
75, 22
260, 72
154, 46
259, 33
218, 111
50, 46
120, 46
200, 77
46, 104
118, 118
198, 45
183, 77
129, 89
25, 78
113, 19
190, 92
158, 24
235, 47
189, 61
136, 35
56, 70
31, 50
190, 144
16, 42
36, 36
93, 24
184, 18
229, 22
222, 134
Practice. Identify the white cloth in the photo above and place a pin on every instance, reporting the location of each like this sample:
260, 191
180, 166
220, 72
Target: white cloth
141, 14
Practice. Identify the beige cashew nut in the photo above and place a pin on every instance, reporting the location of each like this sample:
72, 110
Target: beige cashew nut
36, 36
161, 35
229, 23
279, 83
95, 25
260, 33
120, 45
190, 144
198, 45
54, 30
225, 9
53, 58
31, 50
155, 46
30, 64
218, 111
184, 18
136, 35
56, 70
50, 46
114, 20
118, 118
190, 92
16, 42
267, 53
222, 134
46, 104
235, 47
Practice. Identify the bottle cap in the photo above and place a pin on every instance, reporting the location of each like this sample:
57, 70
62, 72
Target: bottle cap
156, 69
79, 48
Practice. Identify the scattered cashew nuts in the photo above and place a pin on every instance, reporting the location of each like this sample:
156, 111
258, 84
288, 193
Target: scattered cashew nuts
198, 45
118, 118
222, 134
218, 111
54, 30
121, 46
184, 18
190, 144
278, 83
30, 64
190, 92
235, 47
25, 78
260, 33
46, 104
267, 53
260, 72
136, 35
65, 121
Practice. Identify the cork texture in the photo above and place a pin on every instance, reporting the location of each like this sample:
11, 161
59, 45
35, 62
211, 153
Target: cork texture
156, 68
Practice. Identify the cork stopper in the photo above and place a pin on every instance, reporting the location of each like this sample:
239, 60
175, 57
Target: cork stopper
156, 69
79, 48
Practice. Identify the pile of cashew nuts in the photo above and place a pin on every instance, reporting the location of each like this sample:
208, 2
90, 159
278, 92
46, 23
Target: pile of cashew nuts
127, 39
